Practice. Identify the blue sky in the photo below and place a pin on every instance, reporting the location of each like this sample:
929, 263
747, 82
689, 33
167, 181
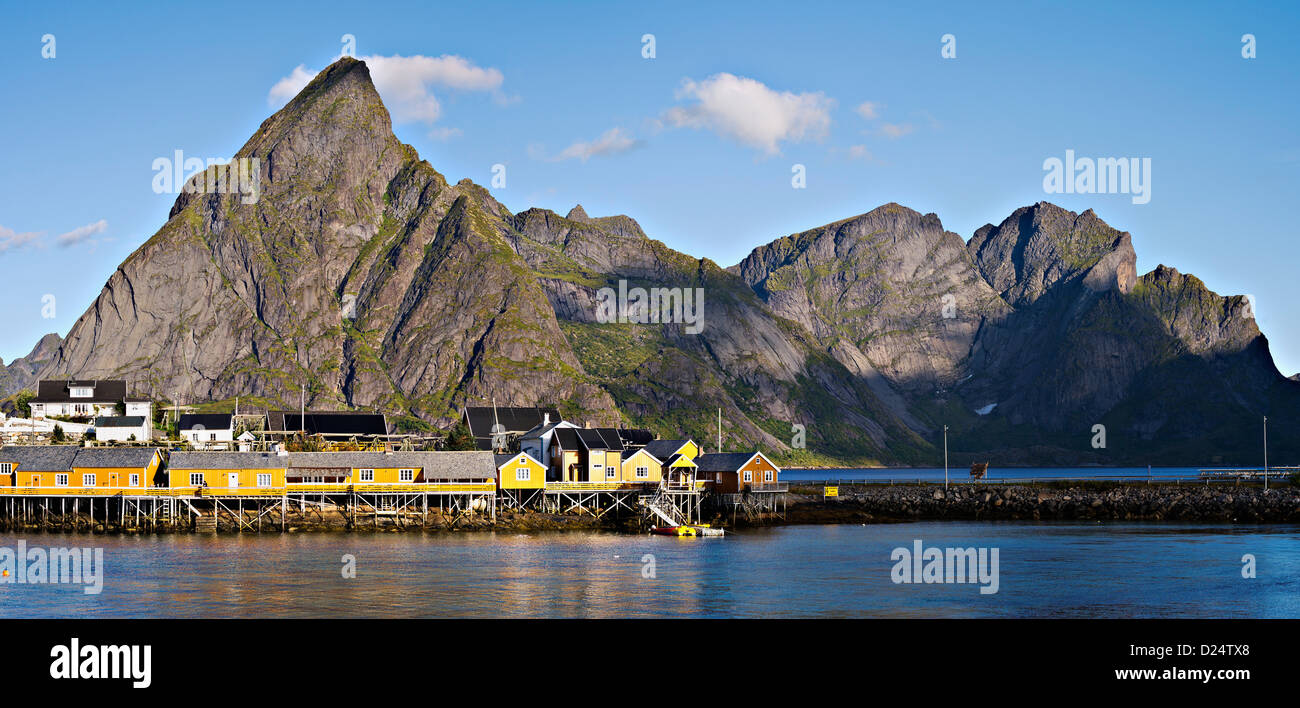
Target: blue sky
697, 143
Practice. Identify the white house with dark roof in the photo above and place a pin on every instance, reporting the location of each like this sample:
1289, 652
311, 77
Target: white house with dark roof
123, 428
208, 430
537, 442
88, 398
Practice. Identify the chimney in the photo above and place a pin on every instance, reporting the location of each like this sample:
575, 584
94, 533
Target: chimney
587, 424
546, 418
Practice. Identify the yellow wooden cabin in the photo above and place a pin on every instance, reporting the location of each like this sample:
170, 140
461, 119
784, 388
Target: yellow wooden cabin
229, 472
520, 471
81, 470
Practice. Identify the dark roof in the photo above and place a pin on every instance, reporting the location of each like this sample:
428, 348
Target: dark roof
56, 391
723, 461
206, 421
330, 422
593, 440
40, 458
567, 437
120, 421
635, 436
662, 449
436, 465
114, 456
514, 419
227, 460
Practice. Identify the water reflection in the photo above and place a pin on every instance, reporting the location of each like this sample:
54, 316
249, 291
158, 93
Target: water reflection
1051, 569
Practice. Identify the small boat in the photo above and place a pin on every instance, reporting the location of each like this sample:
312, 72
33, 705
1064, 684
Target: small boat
687, 530
673, 530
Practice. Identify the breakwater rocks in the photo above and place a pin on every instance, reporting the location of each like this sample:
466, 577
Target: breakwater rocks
1156, 502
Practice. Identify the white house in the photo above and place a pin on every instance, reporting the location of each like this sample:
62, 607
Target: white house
208, 430
90, 398
537, 442
123, 428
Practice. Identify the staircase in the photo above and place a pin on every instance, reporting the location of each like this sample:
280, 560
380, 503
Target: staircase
659, 506
206, 523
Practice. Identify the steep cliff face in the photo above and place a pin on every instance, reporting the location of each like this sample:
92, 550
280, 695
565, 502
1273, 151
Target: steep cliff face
358, 273
363, 276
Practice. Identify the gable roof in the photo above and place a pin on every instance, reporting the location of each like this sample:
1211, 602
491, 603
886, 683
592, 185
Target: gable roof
120, 421
40, 458
724, 461
206, 421
114, 456
336, 423
56, 391
515, 419
636, 436
567, 438
593, 440
503, 460
663, 449
227, 460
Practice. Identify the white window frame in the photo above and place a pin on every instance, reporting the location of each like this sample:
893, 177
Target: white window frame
406, 475
81, 392
135, 479
263, 479
365, 475
523, 474
6, 468
767, 475
611, 472
749, 476
60, 480
643, 472
88, 479
196, 479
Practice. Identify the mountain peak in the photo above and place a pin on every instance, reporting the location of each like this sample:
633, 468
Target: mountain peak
577, 213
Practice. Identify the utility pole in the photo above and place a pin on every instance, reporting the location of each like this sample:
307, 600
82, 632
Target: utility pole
945, 458
1266, 453
719, 430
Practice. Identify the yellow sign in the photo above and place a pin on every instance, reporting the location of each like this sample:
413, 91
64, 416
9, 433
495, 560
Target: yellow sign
832, 492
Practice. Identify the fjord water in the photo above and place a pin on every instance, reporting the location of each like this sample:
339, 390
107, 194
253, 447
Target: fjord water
1046, 569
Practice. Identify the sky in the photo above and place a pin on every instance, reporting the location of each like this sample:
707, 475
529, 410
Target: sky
950, 108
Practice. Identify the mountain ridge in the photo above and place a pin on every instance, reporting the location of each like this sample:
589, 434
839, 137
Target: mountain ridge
361, 276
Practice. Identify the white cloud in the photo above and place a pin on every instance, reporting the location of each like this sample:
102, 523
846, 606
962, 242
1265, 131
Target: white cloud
868, 109
750, 112
611, 142
81, 233
9, 239
896, 130
289, 86
860, 152
406, 84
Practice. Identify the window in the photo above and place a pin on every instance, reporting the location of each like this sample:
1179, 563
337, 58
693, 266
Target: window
767, 475
196, 479
597, 470
611, 472
522, 474
749, 476
263, 480
60, 480
87, 480
406, 475
212, 436
80, 392
6, 467
643, 473
135, 480
367, 475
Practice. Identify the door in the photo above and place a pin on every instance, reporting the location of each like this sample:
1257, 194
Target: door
234, 479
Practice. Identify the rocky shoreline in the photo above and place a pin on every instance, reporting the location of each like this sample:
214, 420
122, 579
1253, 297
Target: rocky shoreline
1078, 501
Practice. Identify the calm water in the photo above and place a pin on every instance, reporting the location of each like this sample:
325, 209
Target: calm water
1057, 569
963, 473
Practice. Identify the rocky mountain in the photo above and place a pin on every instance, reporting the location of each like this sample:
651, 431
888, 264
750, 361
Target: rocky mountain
362, 276
22, 372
